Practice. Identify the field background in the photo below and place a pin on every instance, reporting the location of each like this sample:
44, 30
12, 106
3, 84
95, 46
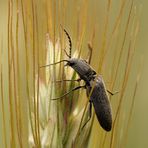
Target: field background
23, 32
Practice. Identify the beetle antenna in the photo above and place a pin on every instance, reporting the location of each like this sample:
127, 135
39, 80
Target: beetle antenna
70, 42
54, 63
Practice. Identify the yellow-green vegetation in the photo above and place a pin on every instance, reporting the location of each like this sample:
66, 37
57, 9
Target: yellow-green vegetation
31, 38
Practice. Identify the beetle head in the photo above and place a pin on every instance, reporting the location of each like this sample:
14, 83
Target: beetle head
71, 62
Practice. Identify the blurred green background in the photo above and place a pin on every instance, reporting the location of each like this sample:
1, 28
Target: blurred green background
139, 126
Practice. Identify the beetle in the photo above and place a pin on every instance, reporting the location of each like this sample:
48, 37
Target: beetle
95, 88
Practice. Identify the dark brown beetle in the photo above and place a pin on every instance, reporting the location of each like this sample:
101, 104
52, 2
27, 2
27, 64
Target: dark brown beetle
94, 86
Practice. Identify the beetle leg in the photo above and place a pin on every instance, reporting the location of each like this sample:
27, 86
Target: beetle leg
78, 87
77, 80
90, 114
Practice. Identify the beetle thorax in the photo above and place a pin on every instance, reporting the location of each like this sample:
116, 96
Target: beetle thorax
83, 69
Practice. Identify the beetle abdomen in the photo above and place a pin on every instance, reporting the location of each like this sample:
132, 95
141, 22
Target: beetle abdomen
101, 103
